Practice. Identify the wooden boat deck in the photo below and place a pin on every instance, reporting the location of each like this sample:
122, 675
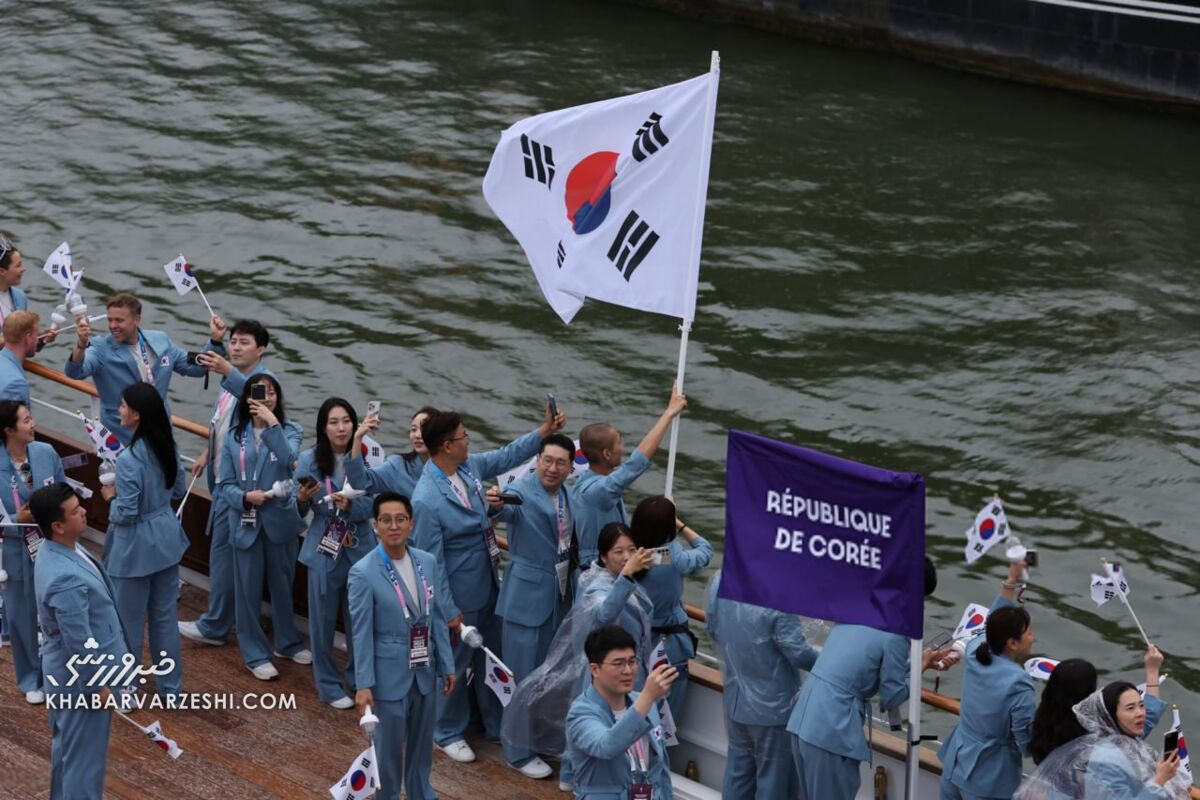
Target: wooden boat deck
293, 754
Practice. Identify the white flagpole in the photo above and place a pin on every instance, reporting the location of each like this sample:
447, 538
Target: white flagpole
72, 327
186, 495
685, 326
211, 313
912, 769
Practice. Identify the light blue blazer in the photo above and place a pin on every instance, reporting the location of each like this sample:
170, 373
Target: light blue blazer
597, 745
765, 651
396, 474
233, 383
13, 383
381, 631
664, 586
47, 469
359, 517
267, 462
112, 367
600, 499
19, 301
454, 533
530, 591
856, 663
143, 534
74, 605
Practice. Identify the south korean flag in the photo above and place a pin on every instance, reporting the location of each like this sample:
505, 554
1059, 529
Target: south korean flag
607, 199
990, 528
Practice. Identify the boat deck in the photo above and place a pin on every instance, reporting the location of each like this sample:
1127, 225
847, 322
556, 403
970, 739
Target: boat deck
239, 754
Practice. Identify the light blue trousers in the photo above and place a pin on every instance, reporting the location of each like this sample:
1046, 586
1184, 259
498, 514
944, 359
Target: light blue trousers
404, 744
759, 762
78, 753
825, 775
948, 791
153, 600
525, 650
218, 619
20, 617
454, 712
327, 595
276, 563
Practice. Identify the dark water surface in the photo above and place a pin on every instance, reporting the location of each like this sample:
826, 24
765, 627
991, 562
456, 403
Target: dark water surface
990, 284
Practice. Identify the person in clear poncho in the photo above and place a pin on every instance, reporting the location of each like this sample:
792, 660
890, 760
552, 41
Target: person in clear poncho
608, 593
1111, 761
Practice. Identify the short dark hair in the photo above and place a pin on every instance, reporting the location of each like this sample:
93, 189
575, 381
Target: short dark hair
46, 505
930, 577
125, 300
9, 411
653, 521
557, 440
594, 439
254, 328
604, 640
389, 497
437, 428
1003, 624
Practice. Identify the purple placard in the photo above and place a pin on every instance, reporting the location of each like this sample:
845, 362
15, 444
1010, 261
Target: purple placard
821, 536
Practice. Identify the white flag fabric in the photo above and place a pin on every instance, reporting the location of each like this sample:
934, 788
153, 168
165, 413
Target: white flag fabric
668, 724
361, 780
498, 677
972, 622
373, 452
1106, 587
1040, 668
80, 489
607, 199
990, 528
155, 732
60, 267
107, 445
658, 656
1117, 576
180, 273
579, 465
1185, 763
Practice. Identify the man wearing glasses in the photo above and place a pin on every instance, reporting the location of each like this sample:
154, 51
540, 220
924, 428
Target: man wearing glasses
402, 648
534, 598
451, 522
615, 739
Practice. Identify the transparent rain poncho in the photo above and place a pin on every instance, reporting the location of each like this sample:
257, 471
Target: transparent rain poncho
535, 718
1103, 764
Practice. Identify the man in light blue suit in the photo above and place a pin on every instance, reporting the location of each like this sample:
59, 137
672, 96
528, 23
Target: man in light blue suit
615, 739
533, 599
827, 721
764, 651
20, 342
129, 355
402, 641
599, 493
248, 341
451, 522
79, 618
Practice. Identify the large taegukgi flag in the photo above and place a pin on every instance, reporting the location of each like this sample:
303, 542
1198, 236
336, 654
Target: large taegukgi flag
607, 199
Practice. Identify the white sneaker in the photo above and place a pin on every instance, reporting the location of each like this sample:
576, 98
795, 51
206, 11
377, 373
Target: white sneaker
563, 786
265, 671
35, 698
535, 768
190, 630
459, 751
300, 656
342, 703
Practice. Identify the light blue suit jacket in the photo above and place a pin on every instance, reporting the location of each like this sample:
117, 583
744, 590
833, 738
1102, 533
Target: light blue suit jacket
112, 367
359, 517
381, 631
13, 383
453, 533
19, 301
856, 663
277, 518
765, 651
664, 586
74, 605
597, 743
143, 534
47, 469
233, 383
396, 474
530, 591
600, 499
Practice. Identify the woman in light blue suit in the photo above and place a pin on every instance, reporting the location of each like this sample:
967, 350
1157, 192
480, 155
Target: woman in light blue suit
654, 526
339, 535
401, 634
398, 473
27, 465
266, 527
145, 540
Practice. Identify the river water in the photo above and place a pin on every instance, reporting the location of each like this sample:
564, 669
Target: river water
990, 284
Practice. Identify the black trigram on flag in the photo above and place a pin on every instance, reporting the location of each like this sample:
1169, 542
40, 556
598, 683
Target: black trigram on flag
649, 138
562, 255
634, 242
539, 161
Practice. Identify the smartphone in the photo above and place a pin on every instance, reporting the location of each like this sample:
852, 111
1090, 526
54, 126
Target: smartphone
1170, 742
373, 407
192, 357
1031, 558
259, 392
660, 556
511, 499
941, 641
553, 405
308, 481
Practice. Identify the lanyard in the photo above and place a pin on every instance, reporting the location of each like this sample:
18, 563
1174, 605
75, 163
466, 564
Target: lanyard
458, 492
395, 580
642, 760
560, 510
16, 496
145, 359
222, 403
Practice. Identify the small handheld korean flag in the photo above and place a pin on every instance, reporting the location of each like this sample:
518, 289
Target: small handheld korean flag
1185, 763
155, 732
107, 445
972, 622
361, 780
180, 273
990, 528
579, 465
60, 267
607, 199
658, 656
1040, 668
1106, 587
498, 677
373, 453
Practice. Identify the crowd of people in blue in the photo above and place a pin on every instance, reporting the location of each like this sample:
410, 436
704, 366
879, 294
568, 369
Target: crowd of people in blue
405, 554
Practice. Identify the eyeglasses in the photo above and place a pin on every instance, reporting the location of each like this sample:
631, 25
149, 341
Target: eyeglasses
387, 522
623, 664
466, 436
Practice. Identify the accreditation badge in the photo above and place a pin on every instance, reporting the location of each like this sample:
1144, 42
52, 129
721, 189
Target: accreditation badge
562, 571
641, 791
493, 547
332, 538
33, 543
418, 646
250, 517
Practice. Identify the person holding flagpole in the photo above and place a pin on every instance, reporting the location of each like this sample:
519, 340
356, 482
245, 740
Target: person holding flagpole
398, 473
451, 522
402, 638
248, 341
130, 354
26, 466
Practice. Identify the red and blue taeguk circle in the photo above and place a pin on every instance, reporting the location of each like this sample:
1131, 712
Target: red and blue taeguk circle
112, 442
358, 780
976, 620
580, 459
500, 674
589, 191
987, 528
1046, 667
